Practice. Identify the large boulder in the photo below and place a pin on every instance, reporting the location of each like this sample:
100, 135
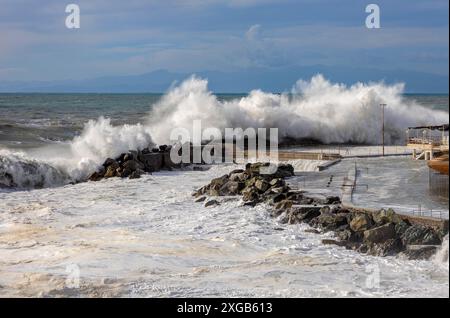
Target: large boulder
386, 216
420, 252
420, 235
389, 247
231, 188
262, 185
380, 234
361, 222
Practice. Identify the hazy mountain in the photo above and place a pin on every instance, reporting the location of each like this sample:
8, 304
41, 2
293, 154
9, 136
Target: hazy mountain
274, 80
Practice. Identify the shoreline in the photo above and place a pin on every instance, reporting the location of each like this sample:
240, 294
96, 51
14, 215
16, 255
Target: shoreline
368, 231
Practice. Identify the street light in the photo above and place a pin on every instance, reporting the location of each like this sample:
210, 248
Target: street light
383, 106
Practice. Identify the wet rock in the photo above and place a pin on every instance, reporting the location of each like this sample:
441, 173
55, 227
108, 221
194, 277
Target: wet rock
313, 231
386, 216
333, 242
332, 200
110, 172
380, 234
420, 235
136, 174
261, 185
305, 213
283, 205
211, 203
200, 199
133, 165
361, 222
329, 222
420, 252
389, 247
231, 188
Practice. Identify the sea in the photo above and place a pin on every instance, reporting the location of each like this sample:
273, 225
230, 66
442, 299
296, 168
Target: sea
147, 237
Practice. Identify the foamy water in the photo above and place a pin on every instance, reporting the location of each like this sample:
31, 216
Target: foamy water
147, 237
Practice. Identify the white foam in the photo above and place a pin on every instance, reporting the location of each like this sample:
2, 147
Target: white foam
319, 109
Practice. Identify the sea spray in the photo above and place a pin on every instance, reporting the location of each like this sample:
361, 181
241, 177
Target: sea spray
74, 161
317, 109
441, 256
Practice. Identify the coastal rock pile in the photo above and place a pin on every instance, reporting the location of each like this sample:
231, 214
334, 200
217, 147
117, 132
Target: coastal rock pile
382, 233
135, 163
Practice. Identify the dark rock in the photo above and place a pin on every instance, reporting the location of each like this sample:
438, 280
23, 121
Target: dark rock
262, 185
329, 222
163, 148
420, 235
361, 222
200, 199
135, 175
389, 247
133, 165
420, 252
333, 242
333, 200
210, 203
283, 205
386, 216
231, 188
109, 162
313, 231
110, 172
278, 198
380, 234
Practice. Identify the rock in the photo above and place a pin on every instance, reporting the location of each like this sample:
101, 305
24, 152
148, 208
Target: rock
200, 199
420, 235
110, 172
420, 252
380, 234
128, 157
210, 203
333, 242
96, 176
361, 222
313, 231
109, 162
135, 174
231, 188
283, 205
133, 165
329, 222
278, 198
163, 148
262, 185
250, 194
277, 182
238, 177
386, 216
332, 200
400, 228
217, 183
305, 213
389, 247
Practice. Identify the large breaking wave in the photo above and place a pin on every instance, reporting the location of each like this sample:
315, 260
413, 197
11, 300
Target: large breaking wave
317, 109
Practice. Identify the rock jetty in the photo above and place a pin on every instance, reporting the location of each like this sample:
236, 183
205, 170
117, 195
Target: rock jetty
135, 163
381, 233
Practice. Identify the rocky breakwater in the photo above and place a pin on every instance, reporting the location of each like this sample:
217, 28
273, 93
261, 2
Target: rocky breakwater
380, 233
135, 163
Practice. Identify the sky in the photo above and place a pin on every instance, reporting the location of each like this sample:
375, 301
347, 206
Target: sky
119, 38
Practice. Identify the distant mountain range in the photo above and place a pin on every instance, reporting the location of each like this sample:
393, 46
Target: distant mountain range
273, 80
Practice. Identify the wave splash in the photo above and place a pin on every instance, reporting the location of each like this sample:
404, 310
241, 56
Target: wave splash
315, 109
73, 161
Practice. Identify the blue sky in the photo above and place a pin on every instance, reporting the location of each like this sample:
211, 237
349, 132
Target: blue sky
132, 37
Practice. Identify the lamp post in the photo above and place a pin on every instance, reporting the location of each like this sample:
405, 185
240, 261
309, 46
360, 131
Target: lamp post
383, 106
